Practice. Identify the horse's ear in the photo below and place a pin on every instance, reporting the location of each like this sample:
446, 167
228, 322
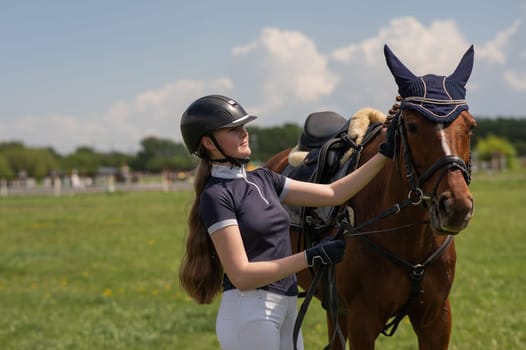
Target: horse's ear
402, 75
464, 68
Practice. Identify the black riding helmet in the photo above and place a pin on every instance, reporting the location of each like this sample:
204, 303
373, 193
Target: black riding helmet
207, 114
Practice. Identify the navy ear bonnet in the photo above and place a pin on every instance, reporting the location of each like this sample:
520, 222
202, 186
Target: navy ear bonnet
438, 98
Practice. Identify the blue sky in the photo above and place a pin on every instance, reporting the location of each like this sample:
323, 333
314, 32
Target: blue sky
106, 74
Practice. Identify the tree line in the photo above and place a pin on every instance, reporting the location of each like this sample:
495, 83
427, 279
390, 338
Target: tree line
158, 154
513, 130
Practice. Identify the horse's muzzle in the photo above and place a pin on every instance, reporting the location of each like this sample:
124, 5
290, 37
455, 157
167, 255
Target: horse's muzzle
450, 214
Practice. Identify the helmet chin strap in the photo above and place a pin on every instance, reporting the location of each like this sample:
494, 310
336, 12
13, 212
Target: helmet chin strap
234, 161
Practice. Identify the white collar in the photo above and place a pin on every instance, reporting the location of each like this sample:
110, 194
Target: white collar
227, 171
234, 172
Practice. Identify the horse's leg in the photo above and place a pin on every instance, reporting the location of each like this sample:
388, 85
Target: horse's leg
434, 334
361, 329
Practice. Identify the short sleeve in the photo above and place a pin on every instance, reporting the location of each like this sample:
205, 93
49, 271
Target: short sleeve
217, 210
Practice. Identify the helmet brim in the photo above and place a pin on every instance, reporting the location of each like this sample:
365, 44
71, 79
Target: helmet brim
240, 121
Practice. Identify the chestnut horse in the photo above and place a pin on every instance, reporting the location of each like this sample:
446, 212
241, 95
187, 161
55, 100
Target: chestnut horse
403, 262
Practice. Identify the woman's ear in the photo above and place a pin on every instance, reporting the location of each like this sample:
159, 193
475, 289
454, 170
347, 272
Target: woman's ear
207, 143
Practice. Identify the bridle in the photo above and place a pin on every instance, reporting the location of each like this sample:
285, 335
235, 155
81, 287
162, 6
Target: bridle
415, 180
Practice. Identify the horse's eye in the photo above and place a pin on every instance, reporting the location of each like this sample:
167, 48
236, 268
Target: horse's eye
412, 128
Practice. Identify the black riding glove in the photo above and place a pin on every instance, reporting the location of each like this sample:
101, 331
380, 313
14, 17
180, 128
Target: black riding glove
327, 251
387, 148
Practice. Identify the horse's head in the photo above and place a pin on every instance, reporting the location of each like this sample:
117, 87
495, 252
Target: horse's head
434, 134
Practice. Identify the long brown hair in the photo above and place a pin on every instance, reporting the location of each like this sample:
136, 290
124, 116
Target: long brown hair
200, 273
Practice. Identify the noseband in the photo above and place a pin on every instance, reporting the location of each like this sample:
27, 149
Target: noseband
415, 180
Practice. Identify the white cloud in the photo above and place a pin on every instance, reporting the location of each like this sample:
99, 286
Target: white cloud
291, 66
504, 48
289, 74
151, 112
420, 48
517, 80
167, 100
157, 112
246, 49
365, 76
283, 76
62, 132
494, 51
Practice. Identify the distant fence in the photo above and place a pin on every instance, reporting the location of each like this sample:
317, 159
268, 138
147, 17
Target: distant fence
107, 187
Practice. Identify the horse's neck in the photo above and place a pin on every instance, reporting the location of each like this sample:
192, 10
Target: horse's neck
279, 161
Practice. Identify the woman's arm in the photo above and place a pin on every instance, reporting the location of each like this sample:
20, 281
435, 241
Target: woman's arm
250, 275
318, 195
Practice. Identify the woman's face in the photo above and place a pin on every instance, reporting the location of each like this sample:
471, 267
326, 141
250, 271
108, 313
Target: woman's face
233, 141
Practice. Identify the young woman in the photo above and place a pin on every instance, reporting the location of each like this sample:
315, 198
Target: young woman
239, 232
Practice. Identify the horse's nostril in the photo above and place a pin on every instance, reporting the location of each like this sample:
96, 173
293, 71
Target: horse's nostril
451, 208
443, 204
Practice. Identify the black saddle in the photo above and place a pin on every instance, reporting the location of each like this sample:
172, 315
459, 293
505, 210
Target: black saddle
320, 127
325, 139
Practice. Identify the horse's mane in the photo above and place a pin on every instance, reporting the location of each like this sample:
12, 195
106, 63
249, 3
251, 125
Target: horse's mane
358, 124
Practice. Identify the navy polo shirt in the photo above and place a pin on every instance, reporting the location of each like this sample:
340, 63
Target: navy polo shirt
252, 201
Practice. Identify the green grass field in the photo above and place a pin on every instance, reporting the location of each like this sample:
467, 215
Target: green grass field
99, 271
